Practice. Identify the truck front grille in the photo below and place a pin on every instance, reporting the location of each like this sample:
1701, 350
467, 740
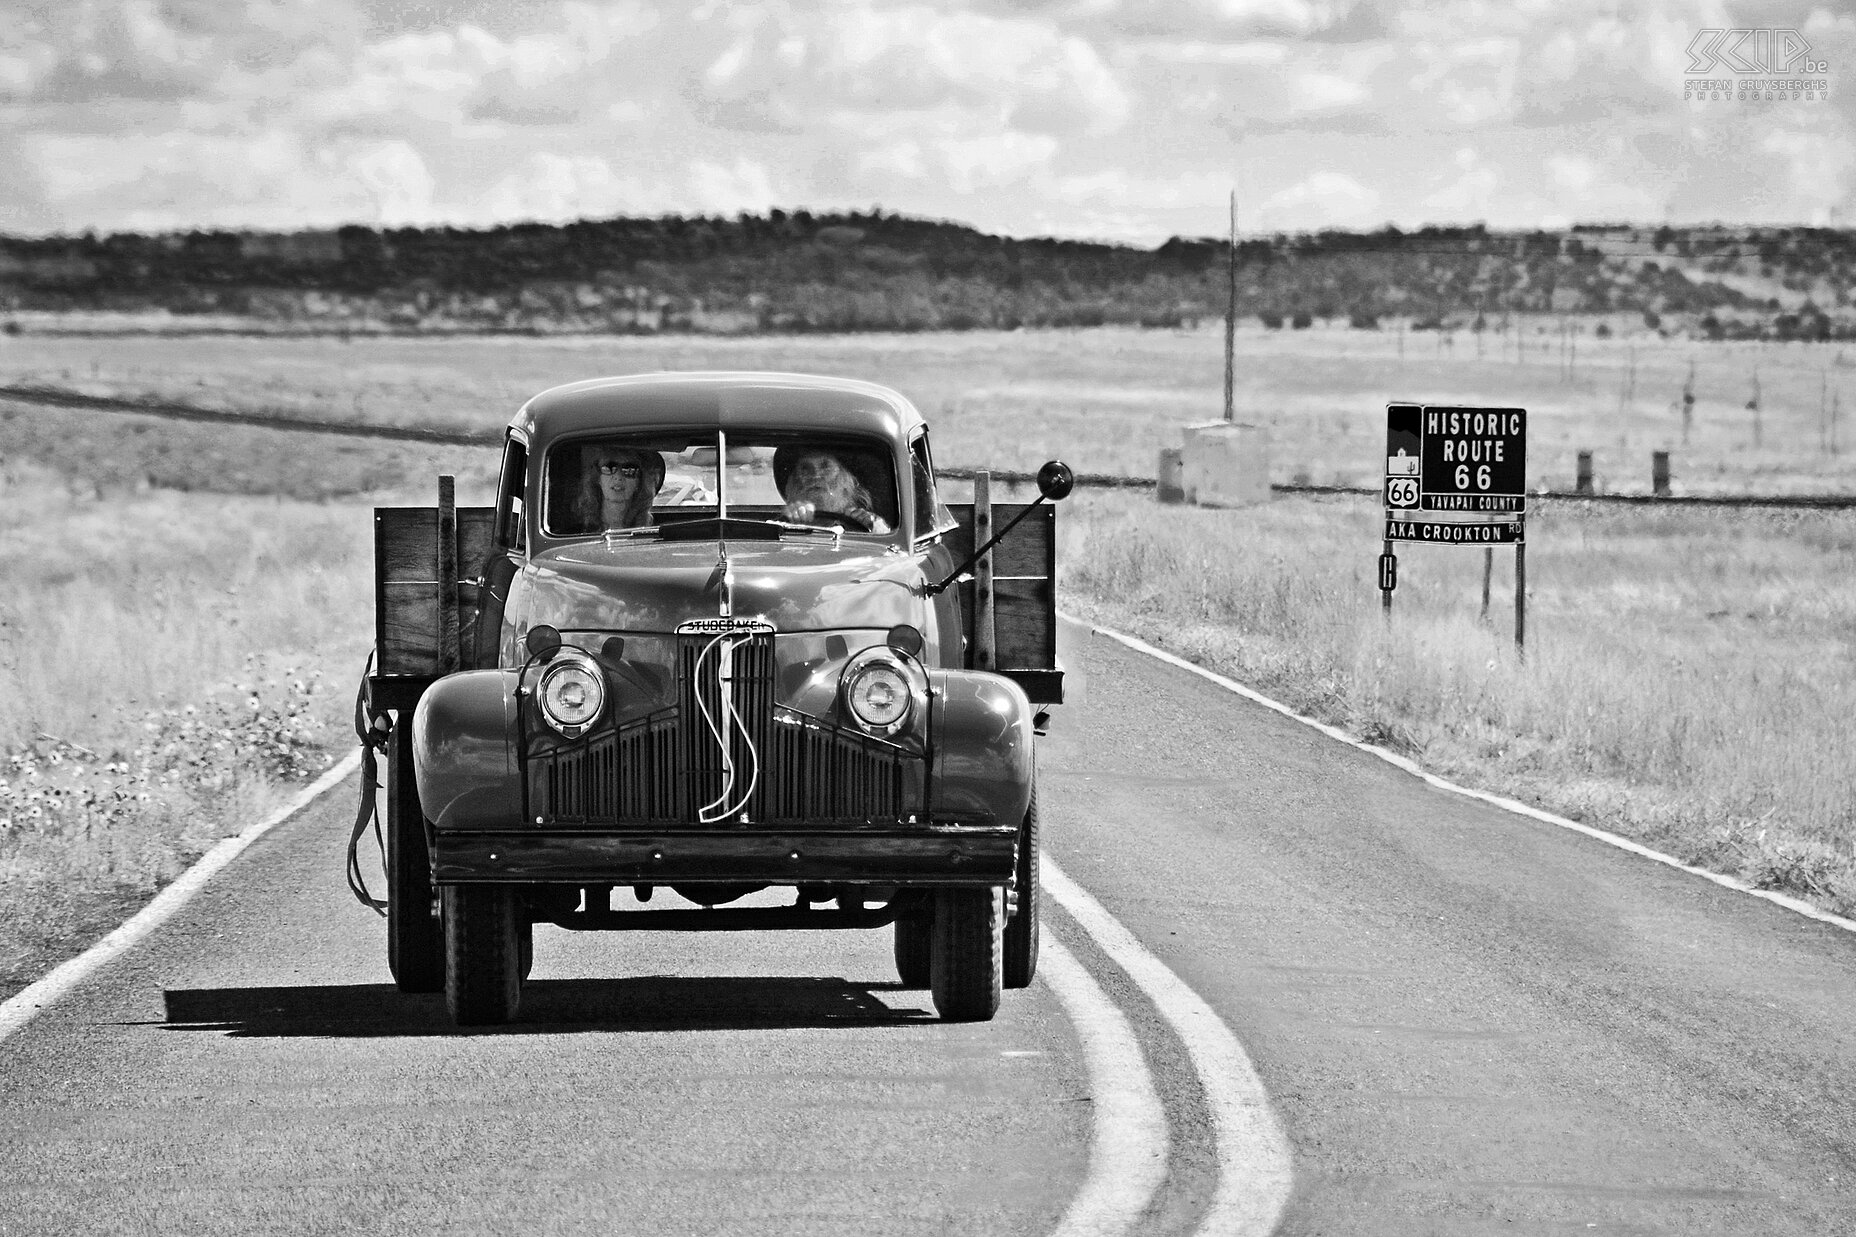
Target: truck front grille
669, 768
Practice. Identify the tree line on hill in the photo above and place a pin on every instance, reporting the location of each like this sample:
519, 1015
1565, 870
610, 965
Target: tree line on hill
861, 271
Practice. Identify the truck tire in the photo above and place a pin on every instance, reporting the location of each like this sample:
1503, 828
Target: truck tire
525, 948
1021, 930
913, 944
415, 937
966, 959
483, 972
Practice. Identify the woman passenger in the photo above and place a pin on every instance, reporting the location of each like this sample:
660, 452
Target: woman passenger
618, 488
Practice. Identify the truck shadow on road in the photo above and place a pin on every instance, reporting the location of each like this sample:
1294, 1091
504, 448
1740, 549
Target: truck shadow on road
551, 1006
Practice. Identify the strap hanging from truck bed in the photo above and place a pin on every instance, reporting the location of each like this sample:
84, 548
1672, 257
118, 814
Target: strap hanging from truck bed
372, 729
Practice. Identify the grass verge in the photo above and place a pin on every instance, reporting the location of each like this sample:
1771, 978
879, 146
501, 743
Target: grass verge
1686, 680
138, 725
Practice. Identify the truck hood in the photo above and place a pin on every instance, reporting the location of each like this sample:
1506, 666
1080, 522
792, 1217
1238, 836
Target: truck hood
653, 586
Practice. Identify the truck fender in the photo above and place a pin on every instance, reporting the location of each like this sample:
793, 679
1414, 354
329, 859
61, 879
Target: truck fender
981, 728
464, 736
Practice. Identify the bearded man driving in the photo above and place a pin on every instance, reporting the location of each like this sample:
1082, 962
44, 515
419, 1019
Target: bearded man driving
820, 489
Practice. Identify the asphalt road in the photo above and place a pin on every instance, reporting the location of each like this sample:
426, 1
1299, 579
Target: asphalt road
1469, 1022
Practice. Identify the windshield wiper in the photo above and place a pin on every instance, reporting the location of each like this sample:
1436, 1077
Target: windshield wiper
741, 528
815, 530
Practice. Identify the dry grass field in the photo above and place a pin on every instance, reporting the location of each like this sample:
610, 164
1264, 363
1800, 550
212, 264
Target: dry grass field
1105, 399
1687, 681
168, 661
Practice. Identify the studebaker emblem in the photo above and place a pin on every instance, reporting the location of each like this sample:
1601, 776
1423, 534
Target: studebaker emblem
722, 626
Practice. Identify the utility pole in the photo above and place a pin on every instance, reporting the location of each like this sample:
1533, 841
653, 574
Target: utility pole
1230, 322
1688, 402
1752, 403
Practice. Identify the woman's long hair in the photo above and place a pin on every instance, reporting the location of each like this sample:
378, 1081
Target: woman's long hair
589, 500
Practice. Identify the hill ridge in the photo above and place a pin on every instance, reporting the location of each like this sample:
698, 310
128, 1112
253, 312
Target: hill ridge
791, 271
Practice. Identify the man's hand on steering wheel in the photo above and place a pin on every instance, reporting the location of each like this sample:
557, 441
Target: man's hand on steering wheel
803, 511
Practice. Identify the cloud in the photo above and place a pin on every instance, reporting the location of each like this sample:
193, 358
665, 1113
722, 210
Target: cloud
98, 50
975, 163
742, 186
24, 66
904, 159
188, 180
805, 68
1819, 169
558, 188
1573, 172
1472, 82
1333, 20
1254, 53
396, 177
1321, 200
1589, 188
1469, 197
1079, 117
1324, 92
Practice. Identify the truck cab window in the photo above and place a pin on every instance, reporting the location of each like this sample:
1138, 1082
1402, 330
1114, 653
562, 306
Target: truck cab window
929, 516
509, 495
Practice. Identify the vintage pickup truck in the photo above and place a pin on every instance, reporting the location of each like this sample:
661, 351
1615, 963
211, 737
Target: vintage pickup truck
720, 633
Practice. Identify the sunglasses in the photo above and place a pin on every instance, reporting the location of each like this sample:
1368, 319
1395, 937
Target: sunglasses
610, 467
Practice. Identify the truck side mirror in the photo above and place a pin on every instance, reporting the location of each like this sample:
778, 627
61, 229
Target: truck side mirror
1055, 481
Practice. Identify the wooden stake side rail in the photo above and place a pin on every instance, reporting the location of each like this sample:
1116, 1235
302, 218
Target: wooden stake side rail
425, 591
1024, 595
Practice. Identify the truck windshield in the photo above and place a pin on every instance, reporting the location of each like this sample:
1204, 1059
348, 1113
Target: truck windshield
612, 482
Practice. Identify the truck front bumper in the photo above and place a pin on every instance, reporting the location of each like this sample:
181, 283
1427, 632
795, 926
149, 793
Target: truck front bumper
942, 855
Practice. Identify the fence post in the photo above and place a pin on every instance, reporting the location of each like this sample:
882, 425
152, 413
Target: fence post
1659, 472
1583, 485
1171, 487
1520, 598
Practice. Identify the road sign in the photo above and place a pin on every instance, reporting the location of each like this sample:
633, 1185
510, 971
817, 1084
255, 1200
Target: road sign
1461, 458
1475, 459
1457, 476
1439, 532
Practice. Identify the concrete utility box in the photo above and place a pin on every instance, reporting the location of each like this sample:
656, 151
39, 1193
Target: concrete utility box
1225, 464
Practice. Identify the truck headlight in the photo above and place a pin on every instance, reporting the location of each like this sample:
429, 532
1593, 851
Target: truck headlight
572, 692
879, 690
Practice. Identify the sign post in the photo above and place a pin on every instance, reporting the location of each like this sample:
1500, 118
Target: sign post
1458, 476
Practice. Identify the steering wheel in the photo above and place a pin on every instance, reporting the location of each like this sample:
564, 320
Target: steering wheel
843, 519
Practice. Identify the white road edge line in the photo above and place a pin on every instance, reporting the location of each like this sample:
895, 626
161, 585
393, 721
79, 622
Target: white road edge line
1128, 1134
28, 1003
1255, 1168
1512, 805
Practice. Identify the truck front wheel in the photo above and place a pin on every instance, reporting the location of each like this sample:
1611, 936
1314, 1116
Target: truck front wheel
483, 967
966, 955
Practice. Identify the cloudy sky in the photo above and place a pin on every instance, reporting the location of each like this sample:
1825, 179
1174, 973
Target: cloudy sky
1125, 120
